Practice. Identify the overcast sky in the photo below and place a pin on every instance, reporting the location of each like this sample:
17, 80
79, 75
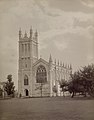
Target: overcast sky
65, 28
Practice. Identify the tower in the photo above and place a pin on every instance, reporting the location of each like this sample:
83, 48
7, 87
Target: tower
28, 54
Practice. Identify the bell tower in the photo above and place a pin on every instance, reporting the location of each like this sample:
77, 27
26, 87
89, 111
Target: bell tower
28, 54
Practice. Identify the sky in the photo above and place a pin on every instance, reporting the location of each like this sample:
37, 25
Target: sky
65, 30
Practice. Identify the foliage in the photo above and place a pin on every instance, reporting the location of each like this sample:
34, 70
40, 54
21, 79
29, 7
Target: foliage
63, 85
54, 89
87, 75
83, 81
9, 85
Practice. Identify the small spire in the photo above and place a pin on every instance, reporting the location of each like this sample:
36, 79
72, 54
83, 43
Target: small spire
58, 62
20, 33
50, 59
70, 66
36, 34
20, 30
63, 65
35, 38
25, 35
31, 29
55, 61
31, 32
55, 64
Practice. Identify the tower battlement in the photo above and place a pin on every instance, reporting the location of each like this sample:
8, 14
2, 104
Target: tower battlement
32, 35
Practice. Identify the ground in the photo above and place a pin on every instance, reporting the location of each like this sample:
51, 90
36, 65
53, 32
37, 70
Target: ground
56, 108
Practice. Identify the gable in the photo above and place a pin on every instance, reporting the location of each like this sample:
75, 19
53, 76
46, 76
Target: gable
41, 61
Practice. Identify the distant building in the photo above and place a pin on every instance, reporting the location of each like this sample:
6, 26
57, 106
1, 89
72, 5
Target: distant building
37, 77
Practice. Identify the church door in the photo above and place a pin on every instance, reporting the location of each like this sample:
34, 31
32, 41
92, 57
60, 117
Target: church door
26, 92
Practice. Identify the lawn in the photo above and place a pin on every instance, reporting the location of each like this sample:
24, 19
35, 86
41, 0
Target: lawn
56, 108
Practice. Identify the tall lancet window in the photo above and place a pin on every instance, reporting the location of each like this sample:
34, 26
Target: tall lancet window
26, 82
41, 74
25, 48
22, 48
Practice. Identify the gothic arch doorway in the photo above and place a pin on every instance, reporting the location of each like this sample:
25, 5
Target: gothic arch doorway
26, 92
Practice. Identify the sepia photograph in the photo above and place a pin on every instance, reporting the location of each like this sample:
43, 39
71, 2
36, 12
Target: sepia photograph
46, 59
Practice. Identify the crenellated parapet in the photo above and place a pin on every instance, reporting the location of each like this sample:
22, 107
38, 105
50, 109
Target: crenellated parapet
32, 35
58, 64
60, 70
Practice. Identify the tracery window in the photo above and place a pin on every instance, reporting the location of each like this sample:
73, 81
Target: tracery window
25, 48
41, 74
26, 80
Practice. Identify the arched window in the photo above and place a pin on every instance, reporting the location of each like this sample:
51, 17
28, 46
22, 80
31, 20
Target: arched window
41, 74
26, 80
25, 48
22, 48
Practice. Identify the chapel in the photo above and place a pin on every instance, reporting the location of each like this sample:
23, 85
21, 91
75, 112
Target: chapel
36, 76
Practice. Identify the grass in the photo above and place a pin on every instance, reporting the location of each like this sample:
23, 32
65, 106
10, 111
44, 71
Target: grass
56, 108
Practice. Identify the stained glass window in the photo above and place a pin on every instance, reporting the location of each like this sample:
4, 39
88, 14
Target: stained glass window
41, 74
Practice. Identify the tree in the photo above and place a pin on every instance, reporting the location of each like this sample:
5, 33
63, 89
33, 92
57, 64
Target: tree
64, 86
9, 86
83, 81
76, 84
87, 75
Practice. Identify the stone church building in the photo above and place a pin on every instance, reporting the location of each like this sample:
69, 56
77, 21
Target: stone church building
36, 76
